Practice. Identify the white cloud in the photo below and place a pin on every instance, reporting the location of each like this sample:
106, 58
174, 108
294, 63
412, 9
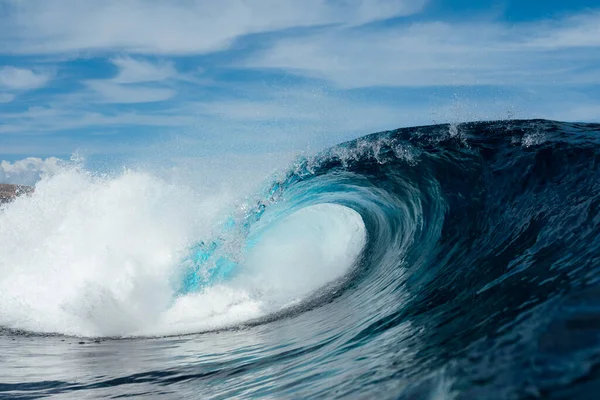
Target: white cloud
45, 120
171, 26
115, 93
437, 53
134, 70
342, 54
256, 110
21, 79
138, 81
576, 31
293, 115
29, 170
6, 97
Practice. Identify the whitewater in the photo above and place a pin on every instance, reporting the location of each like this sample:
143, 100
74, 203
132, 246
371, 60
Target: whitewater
105, 256
447, 261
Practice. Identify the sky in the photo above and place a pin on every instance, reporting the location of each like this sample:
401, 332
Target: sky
113, 78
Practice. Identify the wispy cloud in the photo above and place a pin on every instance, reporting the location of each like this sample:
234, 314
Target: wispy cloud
280, 74
133, 70
171, 27
46, 120
581, 30
6, 97
21, 79
138, 81
114, 93
440, 53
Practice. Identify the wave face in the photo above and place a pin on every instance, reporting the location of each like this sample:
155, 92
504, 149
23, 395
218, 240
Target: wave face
449, 261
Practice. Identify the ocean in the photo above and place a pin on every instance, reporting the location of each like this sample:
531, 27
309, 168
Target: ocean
440, 262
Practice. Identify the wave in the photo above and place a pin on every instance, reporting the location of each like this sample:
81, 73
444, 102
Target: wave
464, 250
118, 256
461, 231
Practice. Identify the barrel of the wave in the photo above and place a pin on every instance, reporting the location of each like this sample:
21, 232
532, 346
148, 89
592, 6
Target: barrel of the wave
207, 268
208, 262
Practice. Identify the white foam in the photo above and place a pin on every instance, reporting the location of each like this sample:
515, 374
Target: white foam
93, 256
306, 250
292, 259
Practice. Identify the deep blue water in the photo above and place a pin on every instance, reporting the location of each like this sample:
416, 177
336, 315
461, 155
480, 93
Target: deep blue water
480, 279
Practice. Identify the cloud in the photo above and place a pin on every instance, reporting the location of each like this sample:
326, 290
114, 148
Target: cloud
581, 30
115, 93
138, 81
29, 170
46, 120
356, 76
6, 97
21, 79
134, 70
171, 26
439, 53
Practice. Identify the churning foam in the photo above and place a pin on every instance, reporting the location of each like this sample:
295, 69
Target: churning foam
92, 256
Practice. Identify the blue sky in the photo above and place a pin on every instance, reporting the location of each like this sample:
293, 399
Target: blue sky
110, 78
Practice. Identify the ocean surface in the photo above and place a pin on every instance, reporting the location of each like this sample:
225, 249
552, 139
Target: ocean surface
441, 262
